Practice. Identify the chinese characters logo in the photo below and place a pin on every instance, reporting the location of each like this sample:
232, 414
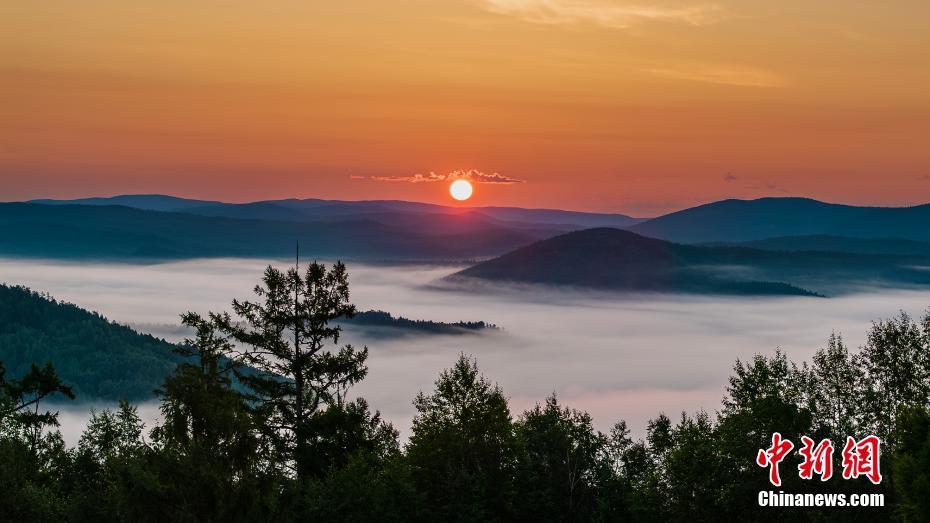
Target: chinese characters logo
860, 458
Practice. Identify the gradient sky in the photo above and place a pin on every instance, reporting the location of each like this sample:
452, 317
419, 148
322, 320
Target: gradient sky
608, 105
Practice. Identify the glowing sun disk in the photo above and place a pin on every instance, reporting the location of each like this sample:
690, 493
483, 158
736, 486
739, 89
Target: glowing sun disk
460, 190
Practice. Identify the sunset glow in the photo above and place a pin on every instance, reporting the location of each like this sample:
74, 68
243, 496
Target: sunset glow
596, 104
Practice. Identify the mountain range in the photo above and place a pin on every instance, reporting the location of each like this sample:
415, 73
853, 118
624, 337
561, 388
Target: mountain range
385, 211
748, 220
153, 227
620, 260
118, 233
156, 227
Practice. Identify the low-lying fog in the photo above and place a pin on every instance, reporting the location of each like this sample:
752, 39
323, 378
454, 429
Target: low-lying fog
621, 357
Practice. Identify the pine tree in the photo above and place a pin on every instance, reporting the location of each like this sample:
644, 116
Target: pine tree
286, 337
206, 458
20, 400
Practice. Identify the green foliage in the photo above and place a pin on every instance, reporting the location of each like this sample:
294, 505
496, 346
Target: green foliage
201, 409
896, 360
20, 400
462, 447
206, 457
563, 465
30, 489
833, 384
113, 435
912, 464
694, 470
287, 334
98, 358
366, 489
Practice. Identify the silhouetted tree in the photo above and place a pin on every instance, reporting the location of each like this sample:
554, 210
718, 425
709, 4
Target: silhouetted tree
834, 382
107, 468
911, 463
285, 336
896, 361
462, 447
765, 396
31, 460
693, 471
20, 399
207, 460
561, 464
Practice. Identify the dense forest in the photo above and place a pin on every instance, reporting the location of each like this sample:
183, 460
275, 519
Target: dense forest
99, 359
292, 444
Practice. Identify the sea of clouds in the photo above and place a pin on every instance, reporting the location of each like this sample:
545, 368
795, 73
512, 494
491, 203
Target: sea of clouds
615, 356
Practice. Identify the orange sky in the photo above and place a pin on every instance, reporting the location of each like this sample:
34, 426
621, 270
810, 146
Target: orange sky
608, 105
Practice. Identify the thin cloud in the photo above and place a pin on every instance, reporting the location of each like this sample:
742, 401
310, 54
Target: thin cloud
416, 178
739, 76
472, 175
730, 178
613, 14
925, 178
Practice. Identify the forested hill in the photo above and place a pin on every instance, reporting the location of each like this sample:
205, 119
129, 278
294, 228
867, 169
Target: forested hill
824, 243
381, 324
748, 220
98, 358
621, 260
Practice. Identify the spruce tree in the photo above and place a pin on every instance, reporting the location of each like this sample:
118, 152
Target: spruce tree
287, 336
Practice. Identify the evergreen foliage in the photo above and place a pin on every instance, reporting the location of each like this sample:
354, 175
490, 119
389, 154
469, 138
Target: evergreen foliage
99, 359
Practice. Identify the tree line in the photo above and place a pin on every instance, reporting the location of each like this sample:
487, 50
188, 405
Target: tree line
259, 424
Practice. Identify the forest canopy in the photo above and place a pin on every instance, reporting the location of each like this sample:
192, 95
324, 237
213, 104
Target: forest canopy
99, 358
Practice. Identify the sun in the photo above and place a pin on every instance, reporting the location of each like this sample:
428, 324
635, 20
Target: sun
460, 190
